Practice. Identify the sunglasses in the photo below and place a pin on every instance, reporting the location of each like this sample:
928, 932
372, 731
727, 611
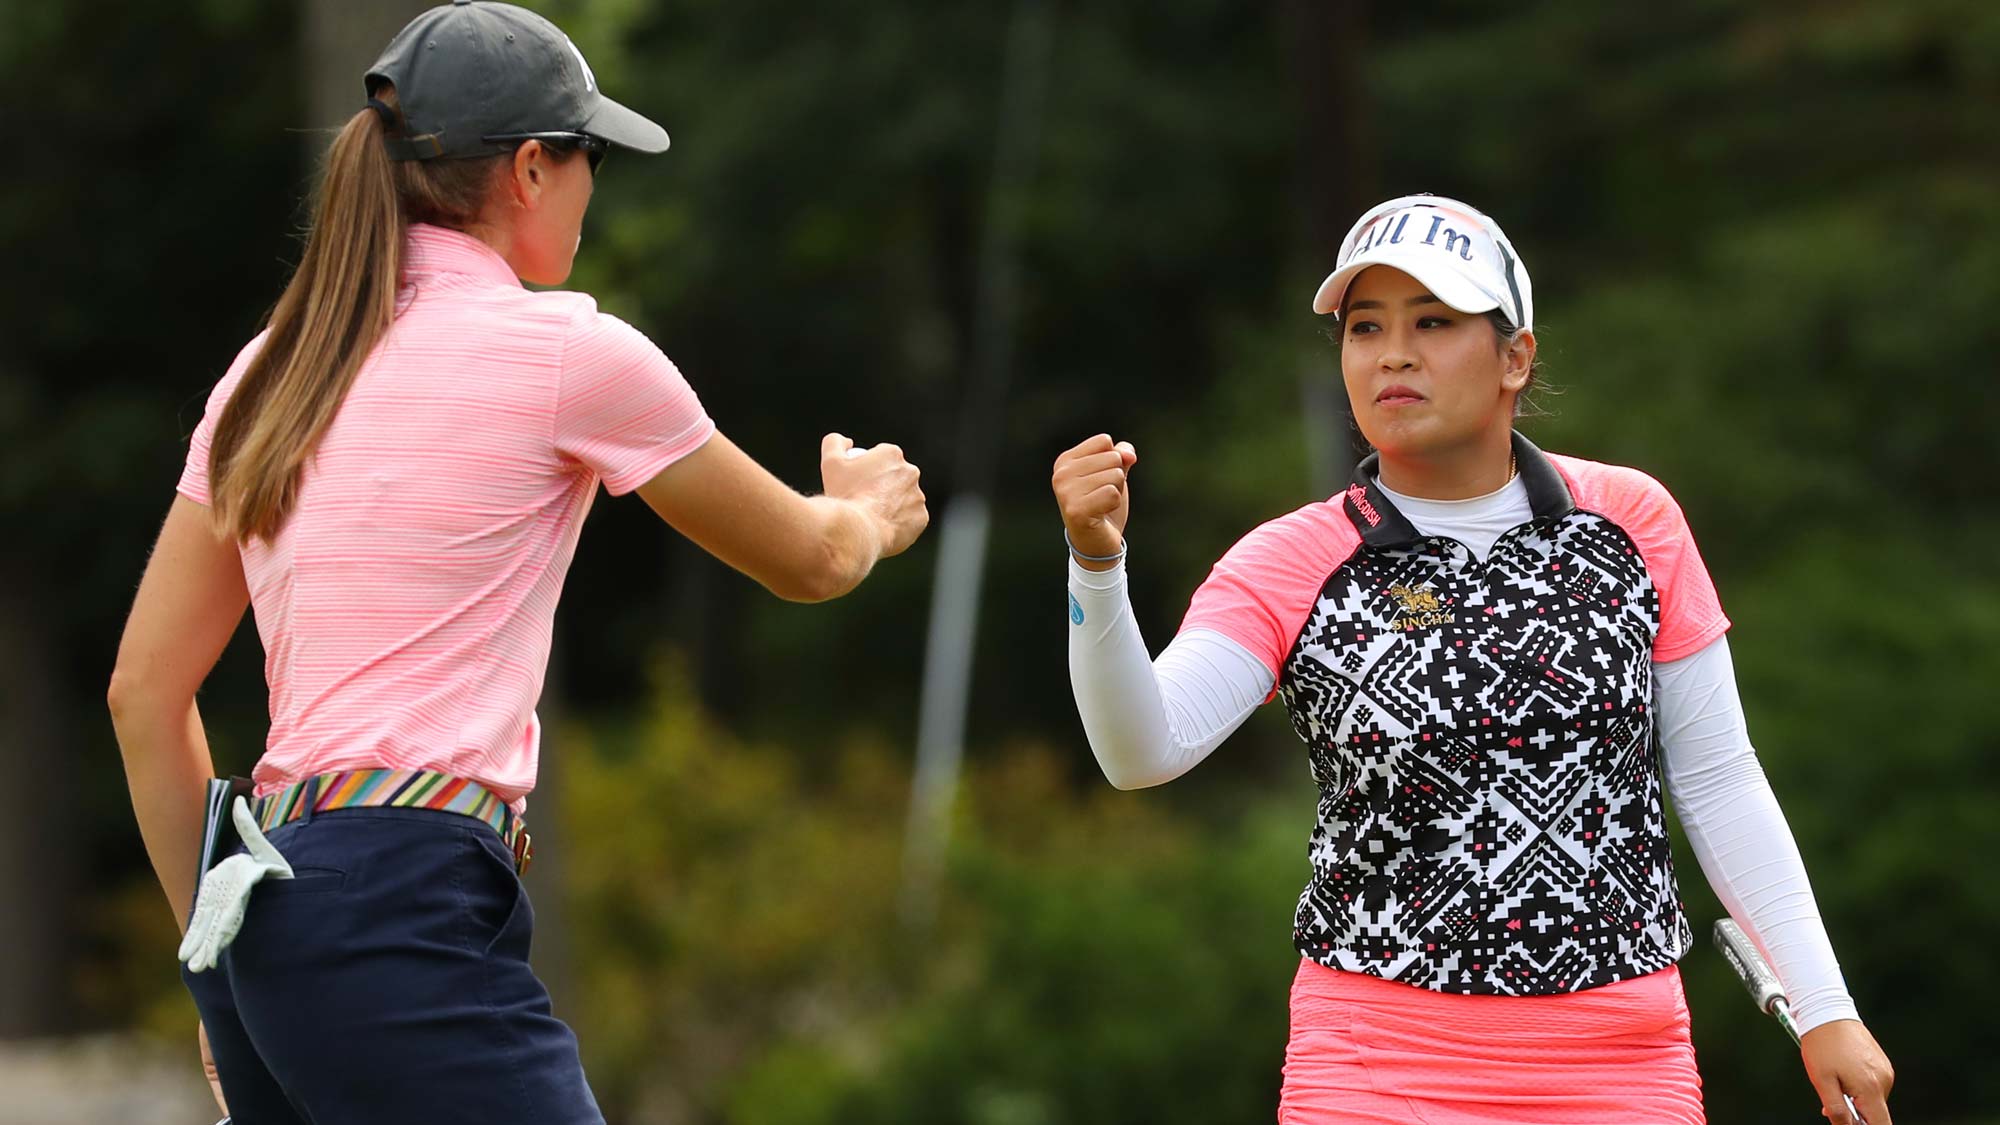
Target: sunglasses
593, 148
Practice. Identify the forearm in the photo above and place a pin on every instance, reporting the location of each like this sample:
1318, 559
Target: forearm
849, 545
1112, 678
801, 548
167, 767
1739, 833
1149, 722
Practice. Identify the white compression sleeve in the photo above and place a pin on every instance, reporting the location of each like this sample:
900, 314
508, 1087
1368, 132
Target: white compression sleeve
1150, 722
1739, 834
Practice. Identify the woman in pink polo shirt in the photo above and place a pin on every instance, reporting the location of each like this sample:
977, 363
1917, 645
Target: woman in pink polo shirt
393, 475
1490, 653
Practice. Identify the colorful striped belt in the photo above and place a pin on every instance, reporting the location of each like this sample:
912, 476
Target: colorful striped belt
401, 789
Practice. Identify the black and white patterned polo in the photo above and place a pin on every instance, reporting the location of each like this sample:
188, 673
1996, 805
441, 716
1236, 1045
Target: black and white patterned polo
1481, 730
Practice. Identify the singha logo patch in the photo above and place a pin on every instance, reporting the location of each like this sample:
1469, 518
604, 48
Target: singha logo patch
1420, 608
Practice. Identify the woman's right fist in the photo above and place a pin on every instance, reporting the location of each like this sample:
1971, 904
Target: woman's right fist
1090, 486
882, 482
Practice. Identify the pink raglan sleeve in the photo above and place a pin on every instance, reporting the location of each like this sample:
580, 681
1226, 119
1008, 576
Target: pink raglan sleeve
1262, 591
1691, 614
194, 482
623, 409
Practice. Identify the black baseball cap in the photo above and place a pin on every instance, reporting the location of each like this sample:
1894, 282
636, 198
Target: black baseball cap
472, 71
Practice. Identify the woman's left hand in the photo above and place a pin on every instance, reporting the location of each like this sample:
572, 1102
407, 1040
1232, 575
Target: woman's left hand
208, 1069
1842, 1058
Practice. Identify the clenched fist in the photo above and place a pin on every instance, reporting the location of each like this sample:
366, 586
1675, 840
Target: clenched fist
882, 482
1090, 485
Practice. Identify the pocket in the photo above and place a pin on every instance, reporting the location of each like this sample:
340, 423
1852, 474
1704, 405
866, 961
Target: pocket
497, 906
304, 881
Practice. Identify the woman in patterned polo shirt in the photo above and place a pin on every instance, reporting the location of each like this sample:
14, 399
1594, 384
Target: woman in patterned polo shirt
1481, 645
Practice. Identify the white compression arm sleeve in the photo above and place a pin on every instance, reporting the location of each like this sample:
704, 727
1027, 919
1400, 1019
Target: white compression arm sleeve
1739, 834
1150, 722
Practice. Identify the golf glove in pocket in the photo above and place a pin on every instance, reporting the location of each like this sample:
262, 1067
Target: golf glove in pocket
225, 892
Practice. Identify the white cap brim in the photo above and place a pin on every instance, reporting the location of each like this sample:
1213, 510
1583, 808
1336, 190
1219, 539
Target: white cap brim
1443, 282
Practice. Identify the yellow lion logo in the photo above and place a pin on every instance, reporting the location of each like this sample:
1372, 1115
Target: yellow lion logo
1421, 600
1421, 608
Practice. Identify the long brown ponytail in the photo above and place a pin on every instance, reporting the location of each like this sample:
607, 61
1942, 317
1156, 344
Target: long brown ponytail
339, 302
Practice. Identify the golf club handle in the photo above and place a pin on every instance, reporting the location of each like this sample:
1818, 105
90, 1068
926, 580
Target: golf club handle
1762, 984
1742, 954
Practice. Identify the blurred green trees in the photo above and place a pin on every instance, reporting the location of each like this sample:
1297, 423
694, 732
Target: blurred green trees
742, 957
1766, 240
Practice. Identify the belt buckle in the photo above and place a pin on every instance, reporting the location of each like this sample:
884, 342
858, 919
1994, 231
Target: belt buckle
524, 852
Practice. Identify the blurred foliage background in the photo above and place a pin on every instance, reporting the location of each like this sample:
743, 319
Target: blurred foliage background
1766, 241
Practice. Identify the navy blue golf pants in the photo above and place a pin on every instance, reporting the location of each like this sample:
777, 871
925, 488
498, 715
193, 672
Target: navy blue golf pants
388, 983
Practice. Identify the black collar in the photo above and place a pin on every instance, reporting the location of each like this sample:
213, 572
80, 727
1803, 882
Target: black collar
1381, 525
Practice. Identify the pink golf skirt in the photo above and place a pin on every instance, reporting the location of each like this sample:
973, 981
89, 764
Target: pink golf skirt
1366, 1051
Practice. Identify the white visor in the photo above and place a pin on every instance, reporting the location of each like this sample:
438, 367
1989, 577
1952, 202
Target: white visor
1458, 254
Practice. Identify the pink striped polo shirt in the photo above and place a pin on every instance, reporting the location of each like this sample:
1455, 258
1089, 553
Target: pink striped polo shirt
406, 607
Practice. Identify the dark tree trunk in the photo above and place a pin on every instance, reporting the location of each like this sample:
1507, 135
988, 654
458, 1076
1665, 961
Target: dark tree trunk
39, 878
1337, 177
339, 38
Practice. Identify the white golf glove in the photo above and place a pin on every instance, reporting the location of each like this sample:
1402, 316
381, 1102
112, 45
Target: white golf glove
225, 892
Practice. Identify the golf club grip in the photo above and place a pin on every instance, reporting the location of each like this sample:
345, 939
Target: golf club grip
1742, 955
1762, 983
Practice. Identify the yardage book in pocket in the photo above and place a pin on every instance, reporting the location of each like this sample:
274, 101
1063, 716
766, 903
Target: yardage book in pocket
218, 835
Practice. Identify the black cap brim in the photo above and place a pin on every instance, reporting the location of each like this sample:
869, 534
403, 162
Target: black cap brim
625, 128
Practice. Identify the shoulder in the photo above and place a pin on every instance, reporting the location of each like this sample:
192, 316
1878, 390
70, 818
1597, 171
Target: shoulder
577, 309
1691, 616
1316, 530
574, 311
567, 328
1639, 505
1626, 495
1290, 556
218, 397
508, 311
249, 351
595, 335
1260, 592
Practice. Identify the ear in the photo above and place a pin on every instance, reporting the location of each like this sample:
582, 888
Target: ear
1518, 358
528, 174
